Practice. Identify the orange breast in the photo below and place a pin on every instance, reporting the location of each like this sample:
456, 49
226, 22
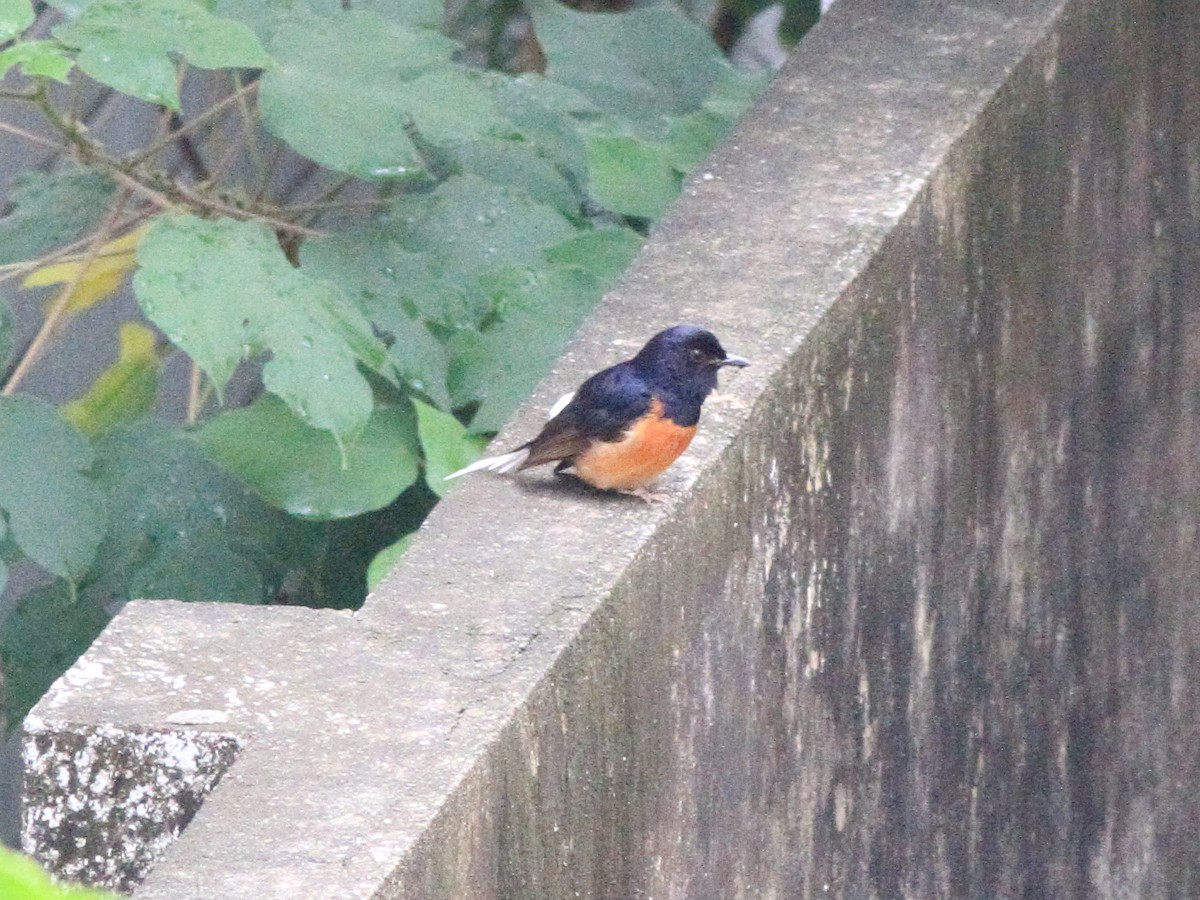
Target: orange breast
645, 450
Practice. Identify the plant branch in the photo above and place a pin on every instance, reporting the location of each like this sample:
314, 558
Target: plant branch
33, 138
54, 316
339, 204
65, 253
194, 400
171, 136
236, 212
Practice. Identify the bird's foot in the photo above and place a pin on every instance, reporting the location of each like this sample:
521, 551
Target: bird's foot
647, 495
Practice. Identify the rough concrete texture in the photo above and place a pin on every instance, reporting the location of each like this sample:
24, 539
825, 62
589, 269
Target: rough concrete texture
921, 617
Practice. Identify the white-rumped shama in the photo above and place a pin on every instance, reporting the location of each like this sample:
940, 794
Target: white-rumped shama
627, 424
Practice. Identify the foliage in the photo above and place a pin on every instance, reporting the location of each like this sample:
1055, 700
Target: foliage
349, 342
21, 877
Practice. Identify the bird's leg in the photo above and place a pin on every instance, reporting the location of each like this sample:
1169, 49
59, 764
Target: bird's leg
649, 496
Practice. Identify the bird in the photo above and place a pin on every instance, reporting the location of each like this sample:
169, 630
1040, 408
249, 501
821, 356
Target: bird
627, 424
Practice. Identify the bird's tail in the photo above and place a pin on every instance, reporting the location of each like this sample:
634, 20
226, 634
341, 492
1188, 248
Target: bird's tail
504, 464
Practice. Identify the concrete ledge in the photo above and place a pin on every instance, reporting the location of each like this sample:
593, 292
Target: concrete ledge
920, 619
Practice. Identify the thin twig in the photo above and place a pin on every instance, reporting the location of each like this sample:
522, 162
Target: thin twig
194, 402
339, 204
126, 180
225, 162
171, 136
65, 253
236, 212
249, 123
34, 138
264, 184
58, 308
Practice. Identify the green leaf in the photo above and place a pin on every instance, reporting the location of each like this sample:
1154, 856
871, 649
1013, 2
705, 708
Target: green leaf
266, 17
55, 514
691, 137
131, 45
474, 226
23, 879
221, 290
385, 559
539, 308
638, 65
15, 17
521, 166
733, 93
349, 88
605, 252
41, 638
446, 444
125, 391
37, 58
395, 289
183, 528
50, 209
631, 177
300, 469
547, 115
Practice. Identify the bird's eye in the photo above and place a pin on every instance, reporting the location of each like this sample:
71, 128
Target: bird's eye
696, 354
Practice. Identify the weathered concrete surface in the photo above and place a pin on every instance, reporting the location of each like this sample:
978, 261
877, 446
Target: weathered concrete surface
922, 619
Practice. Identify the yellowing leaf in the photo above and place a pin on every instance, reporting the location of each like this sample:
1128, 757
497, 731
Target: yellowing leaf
124, 391
99, 280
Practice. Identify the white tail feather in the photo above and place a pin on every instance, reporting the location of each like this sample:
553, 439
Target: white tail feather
560, 404
504, 464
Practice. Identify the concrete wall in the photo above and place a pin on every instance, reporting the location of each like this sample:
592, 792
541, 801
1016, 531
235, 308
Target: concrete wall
921, 618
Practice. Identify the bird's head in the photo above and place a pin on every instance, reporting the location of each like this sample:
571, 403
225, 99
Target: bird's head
688, 357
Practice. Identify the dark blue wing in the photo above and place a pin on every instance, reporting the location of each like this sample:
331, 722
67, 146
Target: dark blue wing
601, 410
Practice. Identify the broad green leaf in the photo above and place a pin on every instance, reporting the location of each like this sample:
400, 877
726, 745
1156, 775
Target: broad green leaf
300, 469
605, 252
385, 559
41, 638
350, 90
395, 289
418, 356
130, 45
266, 17
413, 13
197, 566
221, 290
539, 309
520, 165
51, 209
37, 58
631, 177
638, 65
546, 114
445, 443
733, 93
183, 528
375, 268
23, 879
55, 514
104, 273
474, 226
125, 391
691, 137
15, 17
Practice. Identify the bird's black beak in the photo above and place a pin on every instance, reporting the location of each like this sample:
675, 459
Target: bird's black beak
737, 361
